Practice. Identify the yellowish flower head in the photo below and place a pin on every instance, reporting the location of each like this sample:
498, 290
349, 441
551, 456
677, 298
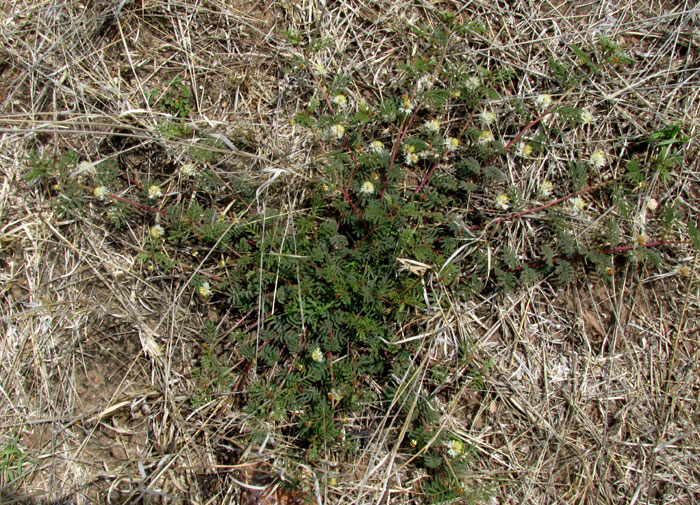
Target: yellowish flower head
100, 192
406, 104
411, 158
487, 117
367, 188
377, 146
598, 159
544, 100
338, 130
455, 448
451, 143
157, 231
432, 125
546, 188
576, 205
523, 149
502, 202
340, 100
486, 137
187, 169
154, 192
204, 290
317, 355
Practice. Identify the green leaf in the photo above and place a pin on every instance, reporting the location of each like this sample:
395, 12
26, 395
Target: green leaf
694, 235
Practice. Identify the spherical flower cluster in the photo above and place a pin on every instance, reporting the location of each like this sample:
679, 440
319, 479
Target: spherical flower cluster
317, 355
377, 146
455, 93
652, 204
406, 104
367, 188
154, 192
340, 100
204, 290
576, 205
100, 192
473, 82
642, 239
486, 137
487, 117
451, 143
320, 69
411, 158
546, 188
586, 116
424, 83
410, 153
523, 149
502, 202
455, 448
544, 101
157, 231
187, 169
84, 168
598, 159
338, 130
432, 125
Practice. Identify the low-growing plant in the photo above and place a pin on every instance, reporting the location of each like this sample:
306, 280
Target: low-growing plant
410, 201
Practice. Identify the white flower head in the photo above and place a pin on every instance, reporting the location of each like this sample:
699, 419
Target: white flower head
154, 192
367, 188
486, 137
487, 117
100, 192
340, 100
598, 159
317, 355
473, 82
432, 125
451, 143
652, 204
84, 168
377, 146
576, 205
424, 83
338, 130
204, 290
320, 69
406, 105
586, 116
544, 100
411, 158
548, 119
546, 188
156, 231
455, 448
502, 202
523, 149
187, 169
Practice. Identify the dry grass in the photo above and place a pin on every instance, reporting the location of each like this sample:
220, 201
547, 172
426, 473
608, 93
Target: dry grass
590, 391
